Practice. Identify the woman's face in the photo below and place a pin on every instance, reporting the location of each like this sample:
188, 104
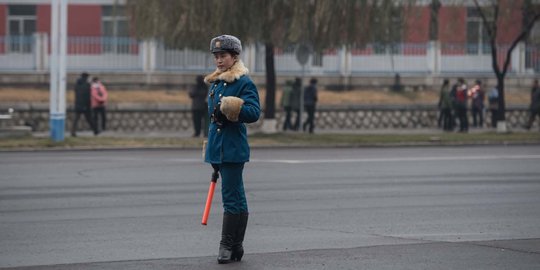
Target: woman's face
224, 60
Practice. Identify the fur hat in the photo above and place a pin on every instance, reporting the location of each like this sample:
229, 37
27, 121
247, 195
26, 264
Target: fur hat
225, 43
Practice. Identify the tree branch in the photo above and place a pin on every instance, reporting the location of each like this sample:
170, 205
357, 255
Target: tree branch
492, 33
524, 33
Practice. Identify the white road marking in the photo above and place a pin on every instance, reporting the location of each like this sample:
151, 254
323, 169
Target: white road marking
397, 159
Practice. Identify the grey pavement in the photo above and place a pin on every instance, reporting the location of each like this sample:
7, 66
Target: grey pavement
472, 207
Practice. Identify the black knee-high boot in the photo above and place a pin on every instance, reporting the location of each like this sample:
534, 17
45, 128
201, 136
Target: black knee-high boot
238, 249
228, 233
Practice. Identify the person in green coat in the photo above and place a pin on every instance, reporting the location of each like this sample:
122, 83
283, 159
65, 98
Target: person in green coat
445, 106
232, 102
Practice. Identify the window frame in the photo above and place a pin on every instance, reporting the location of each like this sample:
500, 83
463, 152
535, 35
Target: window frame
482, 45
21, 41
115, 43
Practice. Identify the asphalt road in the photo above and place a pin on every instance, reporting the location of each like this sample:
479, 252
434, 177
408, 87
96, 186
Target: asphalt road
365, 208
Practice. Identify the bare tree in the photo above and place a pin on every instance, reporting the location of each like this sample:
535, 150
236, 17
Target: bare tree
192, 23
319, 23
495, 17
434, 8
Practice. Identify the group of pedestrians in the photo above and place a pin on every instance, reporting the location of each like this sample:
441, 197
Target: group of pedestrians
91, 101
290, 102
454, 102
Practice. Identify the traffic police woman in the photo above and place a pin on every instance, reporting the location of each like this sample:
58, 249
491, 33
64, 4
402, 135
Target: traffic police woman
233, 100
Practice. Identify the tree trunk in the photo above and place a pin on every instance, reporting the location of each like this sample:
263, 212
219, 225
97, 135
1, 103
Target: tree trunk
502, 106
434, 20
270, 101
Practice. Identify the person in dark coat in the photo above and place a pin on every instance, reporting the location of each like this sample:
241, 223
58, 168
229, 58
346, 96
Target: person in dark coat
286, 104
310, 102
493, 100
296, 95
233, 101
82, 104
534, 108
198, 94
460, 102
477, 104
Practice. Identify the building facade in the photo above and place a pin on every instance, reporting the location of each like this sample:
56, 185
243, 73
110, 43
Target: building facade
100, 39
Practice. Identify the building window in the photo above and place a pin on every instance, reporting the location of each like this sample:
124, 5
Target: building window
477, 37
115, 29
317, 59
21, 22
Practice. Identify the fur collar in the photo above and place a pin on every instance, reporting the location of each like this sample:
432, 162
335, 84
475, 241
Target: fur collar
230, 75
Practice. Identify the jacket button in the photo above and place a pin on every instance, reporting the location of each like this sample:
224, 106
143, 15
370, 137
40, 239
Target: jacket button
218, 130
225, 84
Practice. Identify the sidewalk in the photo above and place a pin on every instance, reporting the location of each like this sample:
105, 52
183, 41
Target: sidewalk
188, 133
86, 140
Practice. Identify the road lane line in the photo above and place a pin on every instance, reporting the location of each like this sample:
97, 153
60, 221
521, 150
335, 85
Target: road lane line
397, 159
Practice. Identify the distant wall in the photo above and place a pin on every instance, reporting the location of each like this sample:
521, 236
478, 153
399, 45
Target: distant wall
173, 80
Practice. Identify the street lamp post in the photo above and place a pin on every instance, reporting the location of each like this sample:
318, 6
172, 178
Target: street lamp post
57, 105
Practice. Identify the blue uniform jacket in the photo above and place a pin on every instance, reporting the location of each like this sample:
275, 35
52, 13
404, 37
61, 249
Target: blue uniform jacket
229, 143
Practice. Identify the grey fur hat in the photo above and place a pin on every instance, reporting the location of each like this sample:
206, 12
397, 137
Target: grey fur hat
225, 43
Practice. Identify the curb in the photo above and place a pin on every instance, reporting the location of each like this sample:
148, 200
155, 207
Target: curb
268, 146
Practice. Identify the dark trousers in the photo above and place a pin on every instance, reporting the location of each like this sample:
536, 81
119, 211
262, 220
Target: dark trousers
441, 118
100, 117
447, 119
463, 120
532, 116
310, 121
297, 120
232, 188
494, 118
287, 123
478, 114
200, 122
88, 116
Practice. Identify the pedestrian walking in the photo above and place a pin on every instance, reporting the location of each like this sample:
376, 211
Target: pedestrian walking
477, 95
199, 106
286, 104
99, 104
445, 106
233, 101
296, 96
534, 108
310, 102
82, 104
493, 100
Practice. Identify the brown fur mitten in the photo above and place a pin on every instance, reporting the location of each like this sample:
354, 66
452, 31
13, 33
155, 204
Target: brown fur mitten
230, 107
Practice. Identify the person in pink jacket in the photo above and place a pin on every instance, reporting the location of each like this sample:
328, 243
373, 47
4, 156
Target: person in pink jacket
99, 103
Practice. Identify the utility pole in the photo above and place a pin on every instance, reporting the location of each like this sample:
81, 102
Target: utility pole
57, 105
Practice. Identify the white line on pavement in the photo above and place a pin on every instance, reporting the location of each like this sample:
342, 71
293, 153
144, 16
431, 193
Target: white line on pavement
400, 159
